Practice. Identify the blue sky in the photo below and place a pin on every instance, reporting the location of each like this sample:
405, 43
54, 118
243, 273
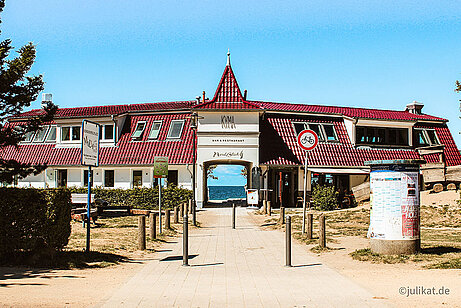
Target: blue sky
377, 54
228, 175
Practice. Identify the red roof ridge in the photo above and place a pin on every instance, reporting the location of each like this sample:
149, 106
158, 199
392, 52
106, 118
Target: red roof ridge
414, 116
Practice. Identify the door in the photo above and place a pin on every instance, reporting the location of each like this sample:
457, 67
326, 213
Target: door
61, 178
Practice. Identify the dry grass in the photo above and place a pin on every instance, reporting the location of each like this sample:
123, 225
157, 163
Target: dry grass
440, 234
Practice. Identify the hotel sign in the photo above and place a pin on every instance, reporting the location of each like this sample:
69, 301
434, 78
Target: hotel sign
228, 121
229, 154
90, 144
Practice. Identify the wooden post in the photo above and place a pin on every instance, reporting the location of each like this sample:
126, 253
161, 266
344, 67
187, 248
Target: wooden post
322, 235
181, 210
152, 226
282, 215
269, 210
264, 207
176, 215
187, 207
142, 232
309, 225
167, 219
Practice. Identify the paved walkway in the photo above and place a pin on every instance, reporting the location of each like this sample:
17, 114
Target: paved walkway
237, 268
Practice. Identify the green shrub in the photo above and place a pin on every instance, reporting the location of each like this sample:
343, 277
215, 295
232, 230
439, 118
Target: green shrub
33, 220
142, 198
324, 198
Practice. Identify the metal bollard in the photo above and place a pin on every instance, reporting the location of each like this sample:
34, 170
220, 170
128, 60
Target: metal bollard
233, 216
309, 225
176, 215
282, 215
142, 232
152, 226
167, 219
269, 210
322, 235
288, 242
194, 214
185, 242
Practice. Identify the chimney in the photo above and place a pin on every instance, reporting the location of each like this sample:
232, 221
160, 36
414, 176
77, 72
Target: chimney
415, 107
245, 95
204, 98
46, 98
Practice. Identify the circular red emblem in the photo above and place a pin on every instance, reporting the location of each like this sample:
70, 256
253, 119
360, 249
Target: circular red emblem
308, 139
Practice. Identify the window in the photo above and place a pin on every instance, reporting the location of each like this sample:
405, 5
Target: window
70, 133
381, 135
109, 178
109, 132
29, 136
41, 134
175, 129
325, 132
155, 130
137, 134
425, 137
106, 132
51, 134
137, 178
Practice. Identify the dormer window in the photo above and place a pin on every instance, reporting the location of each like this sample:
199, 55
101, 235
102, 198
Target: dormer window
41, 134
155, 130
29, 136
325, 132
140, 126
425, 137
51, 135
175, 129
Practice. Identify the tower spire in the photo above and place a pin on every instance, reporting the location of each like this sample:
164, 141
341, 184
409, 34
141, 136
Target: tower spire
228, 57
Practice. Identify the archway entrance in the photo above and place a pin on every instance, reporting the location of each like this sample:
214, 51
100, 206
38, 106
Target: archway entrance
225, 183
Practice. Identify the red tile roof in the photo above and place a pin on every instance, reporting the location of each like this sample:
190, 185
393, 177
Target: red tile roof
451, 153
127, 151
97, 111
334, 154
228, 95
348, 111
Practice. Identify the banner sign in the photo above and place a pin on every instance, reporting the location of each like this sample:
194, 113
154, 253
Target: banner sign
90, 144
160, 167
394, 199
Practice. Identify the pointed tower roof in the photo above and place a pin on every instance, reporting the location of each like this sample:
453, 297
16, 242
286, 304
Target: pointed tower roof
228, 94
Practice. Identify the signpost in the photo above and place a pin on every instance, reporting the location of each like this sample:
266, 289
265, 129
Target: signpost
307, 140
160, 171
90, 158
252, 197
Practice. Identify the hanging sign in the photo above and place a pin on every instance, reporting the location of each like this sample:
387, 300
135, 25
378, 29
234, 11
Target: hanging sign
160, 167
308, 140
90, 144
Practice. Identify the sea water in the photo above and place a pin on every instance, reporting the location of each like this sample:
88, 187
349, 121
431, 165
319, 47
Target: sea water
226, 192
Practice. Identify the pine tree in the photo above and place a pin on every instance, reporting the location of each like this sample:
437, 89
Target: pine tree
18, 91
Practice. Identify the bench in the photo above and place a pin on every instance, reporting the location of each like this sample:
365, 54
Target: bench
79, 210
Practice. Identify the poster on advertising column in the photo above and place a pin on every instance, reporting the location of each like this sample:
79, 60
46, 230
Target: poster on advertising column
394, 200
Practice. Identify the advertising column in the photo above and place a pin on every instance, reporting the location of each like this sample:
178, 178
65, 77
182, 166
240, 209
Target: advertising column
394, 199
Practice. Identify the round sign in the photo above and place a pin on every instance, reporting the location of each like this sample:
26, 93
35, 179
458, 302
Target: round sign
308, 139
